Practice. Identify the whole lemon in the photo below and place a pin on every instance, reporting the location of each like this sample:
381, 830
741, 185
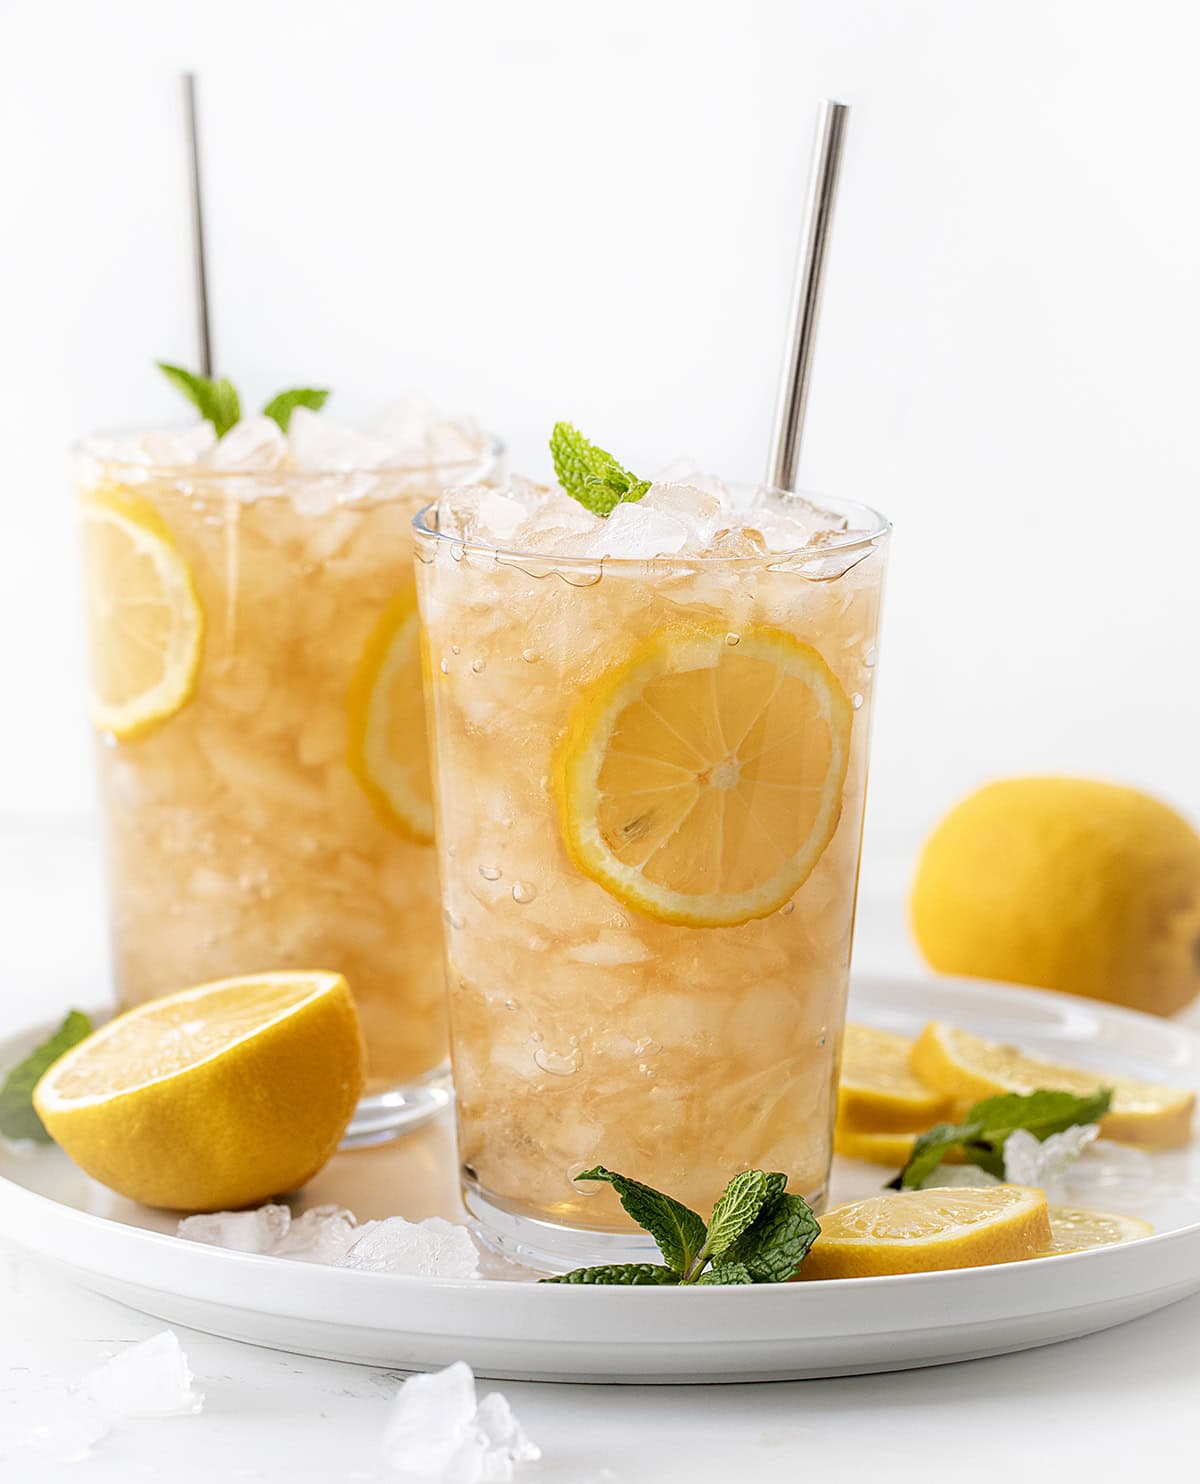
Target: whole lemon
1066, 884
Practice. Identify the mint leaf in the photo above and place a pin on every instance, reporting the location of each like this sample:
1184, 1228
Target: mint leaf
727, 1272
18, 1118
590, 474
629, 1274
988, 1124
216, 401
773, 1248
743, 1199
679, 1232
280, 408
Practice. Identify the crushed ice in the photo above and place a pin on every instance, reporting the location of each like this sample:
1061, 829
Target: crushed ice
432, 1248
1044, 1163
438, 1433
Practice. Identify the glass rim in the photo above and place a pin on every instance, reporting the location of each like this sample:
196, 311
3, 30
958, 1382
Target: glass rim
491, 451
880, 528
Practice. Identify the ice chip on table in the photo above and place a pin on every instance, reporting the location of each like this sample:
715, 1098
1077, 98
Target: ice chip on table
152, 1379
254, 443
438, 1434
635, 531
1104, 1164
318, 442
432, 1248
323, 1234
239, 1231
1044, 1162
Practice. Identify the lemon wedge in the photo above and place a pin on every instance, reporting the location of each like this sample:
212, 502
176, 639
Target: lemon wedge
878, 1091
387, 749
144, 619
967, 1067
700, 781
213, 1098
921, 1231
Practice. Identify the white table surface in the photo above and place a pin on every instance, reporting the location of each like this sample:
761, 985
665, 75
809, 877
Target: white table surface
1129, 1397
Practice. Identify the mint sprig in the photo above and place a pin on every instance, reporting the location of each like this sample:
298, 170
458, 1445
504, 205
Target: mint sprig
756, 1234
982, 1134
590, 474
18, 1117
217, 400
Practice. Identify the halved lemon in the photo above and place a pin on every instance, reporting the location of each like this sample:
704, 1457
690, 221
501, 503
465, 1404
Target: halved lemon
966, 1066
1076, 1230
923, 1231
387, 749
700, 781
144, 618
213, 1098
878, 1091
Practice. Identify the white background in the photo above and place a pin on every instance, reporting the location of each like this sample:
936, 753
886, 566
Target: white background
541, 210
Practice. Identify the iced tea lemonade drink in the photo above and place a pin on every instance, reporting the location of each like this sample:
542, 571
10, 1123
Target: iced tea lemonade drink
257, 698
650, 732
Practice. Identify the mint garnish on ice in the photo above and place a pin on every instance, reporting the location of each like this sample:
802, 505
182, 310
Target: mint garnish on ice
982, 1133
18, 1120
590, 475
757, 1233
217, 401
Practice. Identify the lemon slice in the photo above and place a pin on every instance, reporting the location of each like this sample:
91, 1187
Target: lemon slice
878, 1091
700, 781
922, 1231
891, 1147
387, 750
213, 1098
144, 619
968, 1067
1076, 1230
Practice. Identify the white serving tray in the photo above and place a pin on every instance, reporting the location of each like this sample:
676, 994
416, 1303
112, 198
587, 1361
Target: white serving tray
520, 1330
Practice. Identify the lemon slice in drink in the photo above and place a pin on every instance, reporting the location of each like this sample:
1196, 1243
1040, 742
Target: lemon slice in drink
967, 1067
213, 1098
878, 1091
144, 619
922, 1231
1076, 1230
387, 750
700, 781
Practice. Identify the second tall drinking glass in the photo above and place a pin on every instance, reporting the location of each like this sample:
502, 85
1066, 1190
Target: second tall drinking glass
649, 778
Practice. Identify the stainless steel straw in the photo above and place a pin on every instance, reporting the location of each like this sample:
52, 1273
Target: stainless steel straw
199, 263
784, 463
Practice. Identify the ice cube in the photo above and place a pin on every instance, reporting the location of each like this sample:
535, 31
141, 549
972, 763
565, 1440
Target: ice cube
498, 516
170, 448
688, 472
256, 443
1045, 1162
432, 1248
152, 1379
701, 512
637, 532
450, 442
239, 1231
324, 1234
320, 443
403, 425
436, 1434
951, 1175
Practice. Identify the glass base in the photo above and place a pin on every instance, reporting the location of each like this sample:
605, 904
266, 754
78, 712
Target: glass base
382, 1116
548, 1247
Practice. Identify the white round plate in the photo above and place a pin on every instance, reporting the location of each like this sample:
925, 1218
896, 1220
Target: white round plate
521, 1330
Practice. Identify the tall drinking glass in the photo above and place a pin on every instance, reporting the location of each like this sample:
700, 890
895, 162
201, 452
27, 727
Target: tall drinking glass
649, 779
262, 757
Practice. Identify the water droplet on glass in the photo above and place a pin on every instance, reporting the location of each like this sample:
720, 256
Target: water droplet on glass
453, 919
454, 649
444, 666
557, 1063
507, 822
870, 657
787, 909
856, 701
645, 1069
523, 893
536, 1037
530, 656
477, 666
732, 639
511, 1004
491, 873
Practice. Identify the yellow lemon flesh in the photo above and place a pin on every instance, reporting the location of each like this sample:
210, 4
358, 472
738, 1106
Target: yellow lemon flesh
213, 1098
144, 619
1076, 1230
700, 781
922, 1231
387, 749
878, 1091
1065, 884
967, 1067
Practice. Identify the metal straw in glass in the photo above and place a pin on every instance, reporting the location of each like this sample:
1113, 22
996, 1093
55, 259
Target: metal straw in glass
199, 261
